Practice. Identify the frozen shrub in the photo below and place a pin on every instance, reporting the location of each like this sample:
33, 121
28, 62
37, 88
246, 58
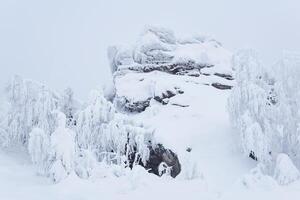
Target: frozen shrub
62, 150
257, 179
68, 106
39, 148
111, 135
248, 106
85, 163
264, 107
190, 169
30, 105
285, 171
92, 120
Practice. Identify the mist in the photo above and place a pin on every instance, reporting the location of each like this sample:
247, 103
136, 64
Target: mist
63, 43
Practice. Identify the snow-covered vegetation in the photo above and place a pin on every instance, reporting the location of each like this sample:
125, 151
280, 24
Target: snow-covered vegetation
264, 107
59, 134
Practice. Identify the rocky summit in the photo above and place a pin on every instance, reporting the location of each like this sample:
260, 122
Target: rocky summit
139, 72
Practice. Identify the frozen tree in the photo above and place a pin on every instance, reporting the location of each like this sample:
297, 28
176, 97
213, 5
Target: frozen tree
264, 107
68, 106
109, 135
39, 148
287, 87
91, 121
136, 139
62, 150
30, 105
248, 105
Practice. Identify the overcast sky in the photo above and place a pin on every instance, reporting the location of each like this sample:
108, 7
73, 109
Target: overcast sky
63, 42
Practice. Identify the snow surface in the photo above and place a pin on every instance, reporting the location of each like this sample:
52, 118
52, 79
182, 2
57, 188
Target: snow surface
203, 126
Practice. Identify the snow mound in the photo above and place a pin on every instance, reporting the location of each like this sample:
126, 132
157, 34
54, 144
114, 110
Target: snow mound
256, 179
285, 171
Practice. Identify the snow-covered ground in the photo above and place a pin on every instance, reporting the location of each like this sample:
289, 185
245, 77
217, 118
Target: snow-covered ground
203, 126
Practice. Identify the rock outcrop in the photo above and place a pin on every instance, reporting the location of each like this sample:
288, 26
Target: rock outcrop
157, 53
162, 71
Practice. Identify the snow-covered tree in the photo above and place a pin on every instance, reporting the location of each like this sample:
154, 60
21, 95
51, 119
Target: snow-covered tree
287, 87
68, 106
91, 121
30, 105
62, 146
39, 148
42, 121
264, 107
109, 135
248, 105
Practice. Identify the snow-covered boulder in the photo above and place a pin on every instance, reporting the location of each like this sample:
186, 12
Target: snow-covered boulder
285, 171
155, 46
157, 66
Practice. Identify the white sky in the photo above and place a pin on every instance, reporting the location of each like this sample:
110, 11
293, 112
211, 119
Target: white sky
63, 42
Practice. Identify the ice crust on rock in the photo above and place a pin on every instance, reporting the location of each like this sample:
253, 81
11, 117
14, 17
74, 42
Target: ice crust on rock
140, 71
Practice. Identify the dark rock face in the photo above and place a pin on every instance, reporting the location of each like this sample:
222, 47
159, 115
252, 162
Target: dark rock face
158, 155
180, 105
140, 106
132, 106
221, 86
188, 68
226, 76
164, 96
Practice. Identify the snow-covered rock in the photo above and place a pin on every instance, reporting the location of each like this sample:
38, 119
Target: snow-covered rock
159, 64
285, 171
166, 82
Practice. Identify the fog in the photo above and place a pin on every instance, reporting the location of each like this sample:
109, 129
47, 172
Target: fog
63, 42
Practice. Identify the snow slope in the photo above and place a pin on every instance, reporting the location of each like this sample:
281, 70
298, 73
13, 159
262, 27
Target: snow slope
203, 126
